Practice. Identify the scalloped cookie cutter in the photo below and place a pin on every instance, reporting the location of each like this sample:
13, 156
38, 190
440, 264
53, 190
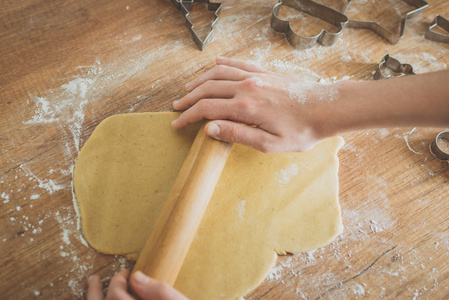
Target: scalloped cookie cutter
441, 22
435, 148
395, 66
388, 35
184, 6
323, 12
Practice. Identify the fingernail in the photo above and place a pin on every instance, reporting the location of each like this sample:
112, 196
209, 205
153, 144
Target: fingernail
141, 278
188, 85
213, 129
173, 123
175, 102
90, 279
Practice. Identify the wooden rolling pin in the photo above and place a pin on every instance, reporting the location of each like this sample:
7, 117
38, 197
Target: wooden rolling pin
167, 246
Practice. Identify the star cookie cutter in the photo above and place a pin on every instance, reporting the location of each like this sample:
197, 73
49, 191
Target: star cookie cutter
320, 11
185, 6
395, 66
388, 35
435, 148
436, 36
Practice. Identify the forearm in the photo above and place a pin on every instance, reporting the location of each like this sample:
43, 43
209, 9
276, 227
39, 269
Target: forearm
276, 113
420, 100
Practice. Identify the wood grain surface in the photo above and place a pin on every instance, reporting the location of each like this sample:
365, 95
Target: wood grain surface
67, 65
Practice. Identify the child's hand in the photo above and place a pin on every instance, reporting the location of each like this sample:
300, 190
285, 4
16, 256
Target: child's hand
267, 111
146, 287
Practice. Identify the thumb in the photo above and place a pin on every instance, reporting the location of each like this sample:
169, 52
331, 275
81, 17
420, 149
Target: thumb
148, 288
232, 132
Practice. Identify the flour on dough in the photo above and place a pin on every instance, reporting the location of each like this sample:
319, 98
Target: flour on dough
263, 205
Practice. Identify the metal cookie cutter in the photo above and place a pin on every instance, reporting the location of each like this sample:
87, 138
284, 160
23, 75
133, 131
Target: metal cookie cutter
323, 12
436, 36
393, 65
436, 150
185, 5
382, 31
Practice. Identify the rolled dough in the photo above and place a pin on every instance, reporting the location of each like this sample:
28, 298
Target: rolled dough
263, 204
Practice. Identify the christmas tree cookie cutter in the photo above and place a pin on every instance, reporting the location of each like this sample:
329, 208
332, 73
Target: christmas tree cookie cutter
185, 5
323, 12
436, 36
393, 65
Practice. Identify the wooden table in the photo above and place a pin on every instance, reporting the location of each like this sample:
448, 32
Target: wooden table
67, 65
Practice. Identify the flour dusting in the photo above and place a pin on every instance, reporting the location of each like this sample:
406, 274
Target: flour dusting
286, 174
76, 99
66, 108
359, 290
277, 272
241, 209
5, 197
373, 219
303, 91
45, 113
48, 184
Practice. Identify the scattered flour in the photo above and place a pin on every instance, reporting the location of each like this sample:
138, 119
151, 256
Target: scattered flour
276, 272
137, 38
359, 290
241, 209
374, 219
64, 108
5, 197
259, 82
384, 132
322, 91
44, 112
422, 62
294, 68
78, 214
47, 184
79, 268
310, 257
299, 90
444, 239
34, 196
286, 174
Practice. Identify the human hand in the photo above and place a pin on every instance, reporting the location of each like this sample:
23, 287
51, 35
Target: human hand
146, 287
249, 105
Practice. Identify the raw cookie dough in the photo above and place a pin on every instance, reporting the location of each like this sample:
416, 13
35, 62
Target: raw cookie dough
263, 204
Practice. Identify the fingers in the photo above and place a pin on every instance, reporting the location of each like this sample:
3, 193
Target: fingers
239, 65
218, 73
95, 289
118, 287
119, 280
211, 109
209, 89
233, 132
148, 288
